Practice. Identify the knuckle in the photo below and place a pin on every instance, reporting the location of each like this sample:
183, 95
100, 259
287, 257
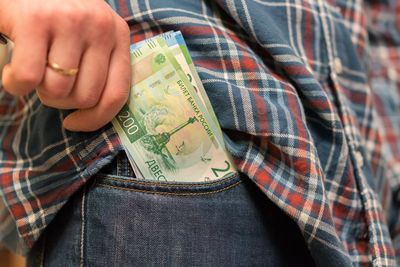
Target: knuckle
117, 99
27, 78
41, 16
77, 19
46, 100
123, 28
52, 93
57, 90
71, 15
105, 21
87, 101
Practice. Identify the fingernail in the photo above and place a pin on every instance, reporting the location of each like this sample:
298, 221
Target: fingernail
3, 40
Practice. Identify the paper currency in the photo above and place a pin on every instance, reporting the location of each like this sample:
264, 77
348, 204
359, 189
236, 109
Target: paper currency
166, 128
177, 46
180, 51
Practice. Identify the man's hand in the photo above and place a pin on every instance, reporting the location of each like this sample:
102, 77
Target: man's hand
87, 35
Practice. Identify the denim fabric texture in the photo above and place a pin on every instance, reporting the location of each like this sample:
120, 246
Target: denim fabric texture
117, 220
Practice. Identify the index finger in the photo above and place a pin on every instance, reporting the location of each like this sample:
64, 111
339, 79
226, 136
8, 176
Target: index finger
28, 62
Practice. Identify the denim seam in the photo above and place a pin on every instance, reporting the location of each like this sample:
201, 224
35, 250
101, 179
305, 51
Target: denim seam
43, 247
83, 225
170, 193
168, 185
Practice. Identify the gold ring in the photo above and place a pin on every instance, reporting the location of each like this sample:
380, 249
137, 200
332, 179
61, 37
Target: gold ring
58, 69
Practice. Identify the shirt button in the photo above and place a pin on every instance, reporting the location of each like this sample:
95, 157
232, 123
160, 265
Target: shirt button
359, 159
392, 74
337, 65
309, 69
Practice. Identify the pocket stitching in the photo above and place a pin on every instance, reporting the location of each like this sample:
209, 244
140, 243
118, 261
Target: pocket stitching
171, 193
161, 184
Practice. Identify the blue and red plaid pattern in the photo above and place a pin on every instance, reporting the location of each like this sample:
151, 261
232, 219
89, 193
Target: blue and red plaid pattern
307, 93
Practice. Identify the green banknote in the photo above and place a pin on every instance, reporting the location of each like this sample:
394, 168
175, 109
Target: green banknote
181, 53
177, 46
165, 127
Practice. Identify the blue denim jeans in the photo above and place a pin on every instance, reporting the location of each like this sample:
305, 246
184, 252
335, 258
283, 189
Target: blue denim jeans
117, 220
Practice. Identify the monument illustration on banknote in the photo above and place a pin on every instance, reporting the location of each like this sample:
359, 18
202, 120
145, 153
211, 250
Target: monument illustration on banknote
158, 144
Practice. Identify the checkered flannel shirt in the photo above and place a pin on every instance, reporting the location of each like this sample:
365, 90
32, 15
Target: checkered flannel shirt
308, 96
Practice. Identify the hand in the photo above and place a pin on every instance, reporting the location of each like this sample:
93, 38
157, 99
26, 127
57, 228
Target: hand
84, 34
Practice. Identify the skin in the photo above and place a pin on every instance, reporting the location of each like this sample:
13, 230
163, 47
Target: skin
72, 33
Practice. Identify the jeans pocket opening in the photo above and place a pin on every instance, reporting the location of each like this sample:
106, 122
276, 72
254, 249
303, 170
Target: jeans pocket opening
168, 188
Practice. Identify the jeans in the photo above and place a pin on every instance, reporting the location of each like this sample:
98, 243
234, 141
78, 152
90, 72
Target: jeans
117, 220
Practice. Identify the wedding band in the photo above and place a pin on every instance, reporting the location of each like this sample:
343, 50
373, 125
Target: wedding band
58, 69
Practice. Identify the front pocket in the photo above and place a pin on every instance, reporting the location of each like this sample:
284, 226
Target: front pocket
119, 175
168, 188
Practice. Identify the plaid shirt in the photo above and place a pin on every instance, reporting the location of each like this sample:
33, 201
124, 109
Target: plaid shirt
308, 96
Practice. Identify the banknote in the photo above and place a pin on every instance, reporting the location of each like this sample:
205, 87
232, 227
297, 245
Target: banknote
165, 127
180, 51
177, 45
178, 48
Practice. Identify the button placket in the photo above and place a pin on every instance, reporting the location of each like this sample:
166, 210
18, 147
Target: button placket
359, 159
392, 74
